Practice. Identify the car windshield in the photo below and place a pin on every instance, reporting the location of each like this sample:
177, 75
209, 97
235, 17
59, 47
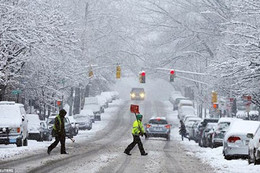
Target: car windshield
158, 121
223, 125
137, 90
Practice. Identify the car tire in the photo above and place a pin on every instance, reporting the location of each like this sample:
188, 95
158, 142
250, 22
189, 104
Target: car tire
25, 142
227, 157
19, 143
254, 159
249, 158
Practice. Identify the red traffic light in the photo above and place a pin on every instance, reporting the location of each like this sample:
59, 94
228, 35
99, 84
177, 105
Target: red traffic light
172, 72
143, 73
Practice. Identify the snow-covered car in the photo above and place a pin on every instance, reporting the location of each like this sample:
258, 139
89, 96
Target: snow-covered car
47, 136
84, 121
176, 101
254, 147
235, 143
88, 112
102, 101
201, 127
223, 125
35, 129
158, 127
206, 137
185, 103
186, 110
115, 95
92, 104
192, 131
189, 123
13, 124
68, 127
74, 125
108, 96
137, 94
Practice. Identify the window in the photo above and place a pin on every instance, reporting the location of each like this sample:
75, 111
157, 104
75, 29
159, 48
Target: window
158, 121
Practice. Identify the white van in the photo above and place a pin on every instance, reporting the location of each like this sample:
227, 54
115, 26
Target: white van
185, 103
13, 124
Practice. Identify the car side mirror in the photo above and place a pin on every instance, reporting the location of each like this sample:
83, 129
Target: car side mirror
250, 135
23, 118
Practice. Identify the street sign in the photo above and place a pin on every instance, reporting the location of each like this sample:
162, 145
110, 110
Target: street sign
15, 92
134, 109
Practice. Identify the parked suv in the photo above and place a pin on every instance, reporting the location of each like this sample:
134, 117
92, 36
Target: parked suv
13, 124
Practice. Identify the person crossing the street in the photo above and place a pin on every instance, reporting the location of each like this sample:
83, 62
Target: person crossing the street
59, 132
137, 131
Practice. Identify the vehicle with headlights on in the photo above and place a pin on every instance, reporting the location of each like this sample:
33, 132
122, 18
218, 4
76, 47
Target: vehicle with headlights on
137, 94
158, 127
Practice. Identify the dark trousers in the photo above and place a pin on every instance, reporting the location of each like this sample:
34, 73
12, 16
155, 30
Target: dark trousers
61, 139
136, 140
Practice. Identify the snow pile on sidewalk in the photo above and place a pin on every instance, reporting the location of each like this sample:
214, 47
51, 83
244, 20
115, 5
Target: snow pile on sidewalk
210, 156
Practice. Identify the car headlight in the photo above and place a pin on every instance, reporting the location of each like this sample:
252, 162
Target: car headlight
132, 95
142, 95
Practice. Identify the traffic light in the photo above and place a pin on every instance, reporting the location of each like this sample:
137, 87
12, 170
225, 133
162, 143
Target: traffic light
142, 77
215, 106
214, 97
90, 73
118, 72
172, 75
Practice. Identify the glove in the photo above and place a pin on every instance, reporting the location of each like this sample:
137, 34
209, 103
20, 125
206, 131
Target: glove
145, 135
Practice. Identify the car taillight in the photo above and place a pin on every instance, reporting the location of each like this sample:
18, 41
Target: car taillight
18, 130
233, 139
168, 126
148, 126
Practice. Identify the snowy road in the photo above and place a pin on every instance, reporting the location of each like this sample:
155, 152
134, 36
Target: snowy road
103, 152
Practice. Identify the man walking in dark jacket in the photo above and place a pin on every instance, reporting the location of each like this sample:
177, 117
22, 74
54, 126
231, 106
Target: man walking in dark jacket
59, 132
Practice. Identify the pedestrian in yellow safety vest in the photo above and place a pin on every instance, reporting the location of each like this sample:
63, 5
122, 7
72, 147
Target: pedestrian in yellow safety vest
59, 132
138, 129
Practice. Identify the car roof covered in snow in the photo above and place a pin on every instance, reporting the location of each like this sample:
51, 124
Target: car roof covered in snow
242, 128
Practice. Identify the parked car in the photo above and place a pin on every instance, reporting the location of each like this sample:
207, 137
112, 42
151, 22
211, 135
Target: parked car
115, 95
177, 101
254, 147
68, 127
92, 104
223, 125
74, 125
88, 112
185, 103
206, 136
108, 96
84, 121
189, 122
193, 131
102, 101
235, 143
201, 127
186, 110
34, 127
47, 136
174, 95
137, 94
158, 127
13, 124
